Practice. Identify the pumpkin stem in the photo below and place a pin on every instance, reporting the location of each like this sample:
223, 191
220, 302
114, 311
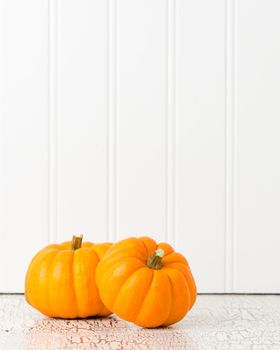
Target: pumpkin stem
76, 242
155, 261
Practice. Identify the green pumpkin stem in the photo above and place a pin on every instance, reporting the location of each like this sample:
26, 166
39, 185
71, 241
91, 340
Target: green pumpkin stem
76, 242
155, 261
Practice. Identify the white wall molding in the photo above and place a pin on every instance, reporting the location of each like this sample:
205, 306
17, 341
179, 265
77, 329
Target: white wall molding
171, 123
112, 120
229, 146
53, 118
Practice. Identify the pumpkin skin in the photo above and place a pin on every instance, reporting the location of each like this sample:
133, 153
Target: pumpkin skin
60, 281
154, 296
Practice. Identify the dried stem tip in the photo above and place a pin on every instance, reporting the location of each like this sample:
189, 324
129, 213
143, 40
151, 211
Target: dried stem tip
76, 242
155, 261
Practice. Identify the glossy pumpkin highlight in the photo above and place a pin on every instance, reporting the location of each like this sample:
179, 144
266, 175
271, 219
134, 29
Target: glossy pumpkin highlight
146, 283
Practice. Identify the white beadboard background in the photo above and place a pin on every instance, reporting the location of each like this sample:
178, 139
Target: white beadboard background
143, 117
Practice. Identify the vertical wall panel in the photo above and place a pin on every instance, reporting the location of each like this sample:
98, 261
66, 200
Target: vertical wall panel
82, 119
200, 139
257, 189
24, 137
141, 118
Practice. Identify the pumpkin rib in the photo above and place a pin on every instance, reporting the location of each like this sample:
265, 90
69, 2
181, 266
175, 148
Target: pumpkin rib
174, 257
87, 245
191, 285
143, 301
84, 280
157, 302
48, 287
81, 284
177, 266
52, 313
73, 283
167, 270
118, 250
45, 250
145, 241
48, 251
110, 261
65, 245
113, 268
124, 284
50, 276
188, 277
172, 296
102, 310
191, 302
143, 244
35, 259
128, 243
131, 251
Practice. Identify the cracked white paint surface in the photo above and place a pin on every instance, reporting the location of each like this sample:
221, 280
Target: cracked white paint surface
216, 322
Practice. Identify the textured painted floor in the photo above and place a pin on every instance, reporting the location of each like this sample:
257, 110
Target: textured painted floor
216, 322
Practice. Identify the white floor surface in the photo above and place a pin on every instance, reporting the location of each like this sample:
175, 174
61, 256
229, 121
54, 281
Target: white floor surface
216, 322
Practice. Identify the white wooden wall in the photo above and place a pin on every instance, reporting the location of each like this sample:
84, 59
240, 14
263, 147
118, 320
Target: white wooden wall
143, 117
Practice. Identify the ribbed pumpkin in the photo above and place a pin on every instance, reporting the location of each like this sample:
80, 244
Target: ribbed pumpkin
145, 282
60, 281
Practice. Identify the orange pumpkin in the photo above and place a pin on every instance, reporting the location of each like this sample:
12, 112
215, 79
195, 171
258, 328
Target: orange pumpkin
60, 281
145, 282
